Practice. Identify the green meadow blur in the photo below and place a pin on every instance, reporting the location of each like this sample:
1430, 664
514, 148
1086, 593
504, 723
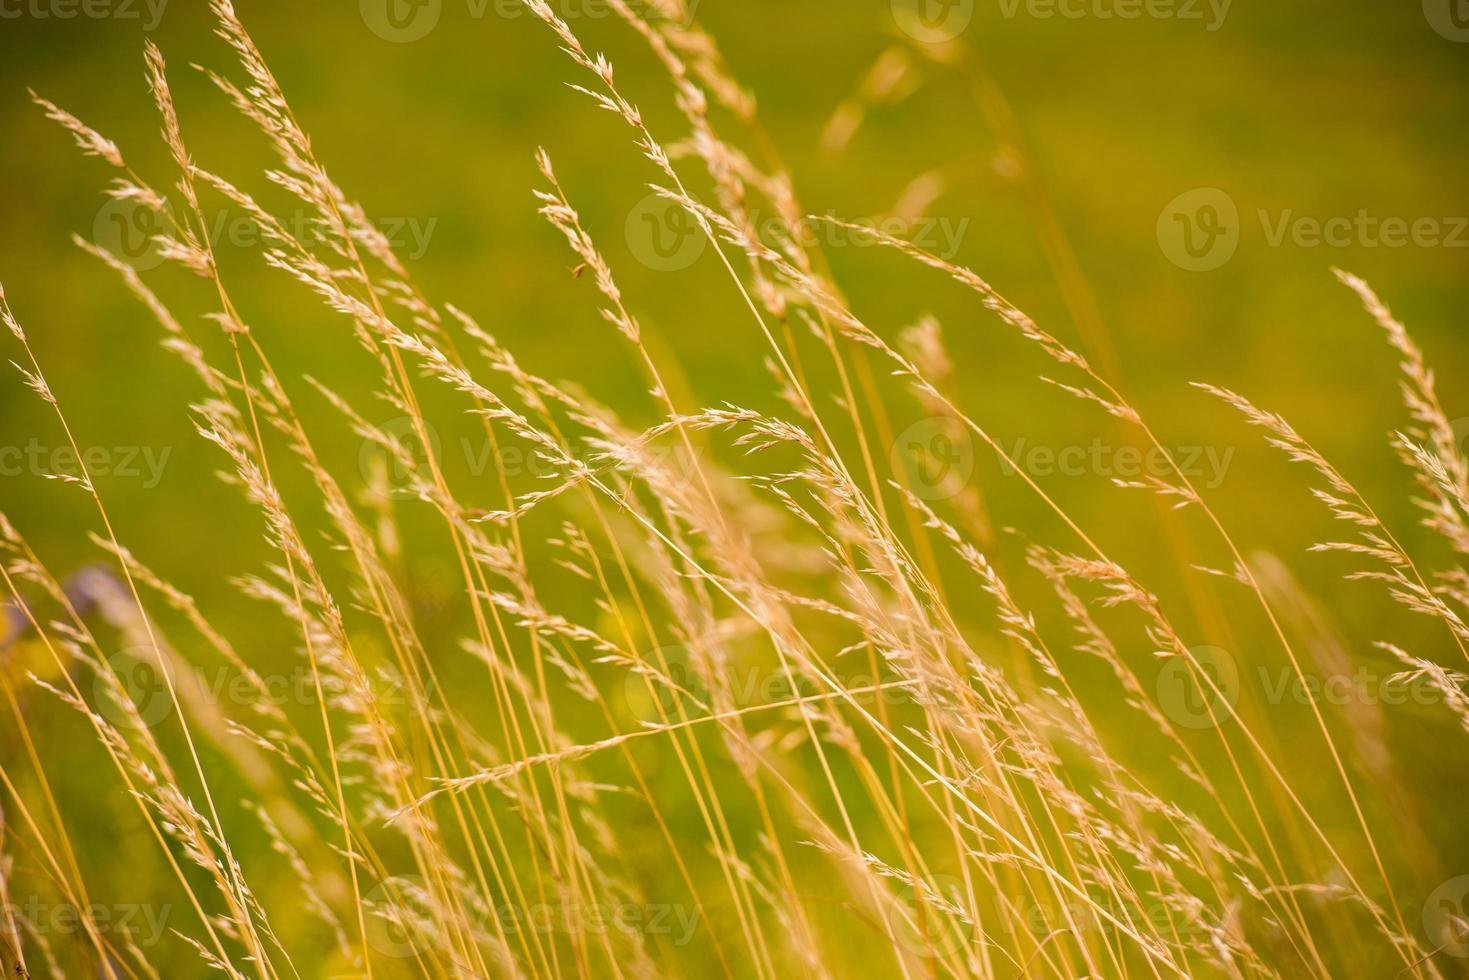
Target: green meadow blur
1054, 146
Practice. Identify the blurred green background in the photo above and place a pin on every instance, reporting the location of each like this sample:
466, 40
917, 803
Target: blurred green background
1308, 110
1299, 111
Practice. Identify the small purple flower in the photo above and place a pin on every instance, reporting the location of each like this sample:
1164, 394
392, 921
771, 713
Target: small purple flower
13, 624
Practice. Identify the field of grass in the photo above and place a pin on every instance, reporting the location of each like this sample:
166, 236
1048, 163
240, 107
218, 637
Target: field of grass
806, 499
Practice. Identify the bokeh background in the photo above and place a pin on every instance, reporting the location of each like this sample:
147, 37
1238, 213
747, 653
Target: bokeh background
1055, 145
